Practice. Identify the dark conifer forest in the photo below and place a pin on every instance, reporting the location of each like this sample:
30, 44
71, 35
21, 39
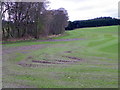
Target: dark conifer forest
96, 22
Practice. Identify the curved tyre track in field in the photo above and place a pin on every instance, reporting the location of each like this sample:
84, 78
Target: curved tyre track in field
9, 53
22, 49
38, 63
53, 40
28, 48
34, 47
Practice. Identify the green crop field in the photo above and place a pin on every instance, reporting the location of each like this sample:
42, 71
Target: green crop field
81, 58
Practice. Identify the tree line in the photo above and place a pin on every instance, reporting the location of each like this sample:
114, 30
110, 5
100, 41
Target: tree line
96, 22
31, 19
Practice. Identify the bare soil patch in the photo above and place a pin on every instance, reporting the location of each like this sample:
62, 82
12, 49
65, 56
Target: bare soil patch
67, 61
68, 52
75, 58
38, 63
45, 62
28, 65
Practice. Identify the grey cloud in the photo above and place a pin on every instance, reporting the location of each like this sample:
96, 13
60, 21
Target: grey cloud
114, 14
85, 8
77, 0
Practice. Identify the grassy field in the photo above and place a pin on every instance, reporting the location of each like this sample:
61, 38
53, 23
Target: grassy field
89, 59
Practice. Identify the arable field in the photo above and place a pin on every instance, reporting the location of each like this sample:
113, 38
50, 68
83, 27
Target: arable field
82, 58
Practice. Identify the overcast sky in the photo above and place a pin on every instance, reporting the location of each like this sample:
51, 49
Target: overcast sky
87, 9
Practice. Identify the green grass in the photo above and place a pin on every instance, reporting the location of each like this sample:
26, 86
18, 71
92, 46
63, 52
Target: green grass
97, 69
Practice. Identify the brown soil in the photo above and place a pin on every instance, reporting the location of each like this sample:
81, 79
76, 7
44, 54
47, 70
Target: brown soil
30, 57
75, 58
68, 51
65, 61
28, 65
47, 62
36, 63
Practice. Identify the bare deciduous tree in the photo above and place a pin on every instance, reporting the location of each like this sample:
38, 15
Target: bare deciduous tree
31, 19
